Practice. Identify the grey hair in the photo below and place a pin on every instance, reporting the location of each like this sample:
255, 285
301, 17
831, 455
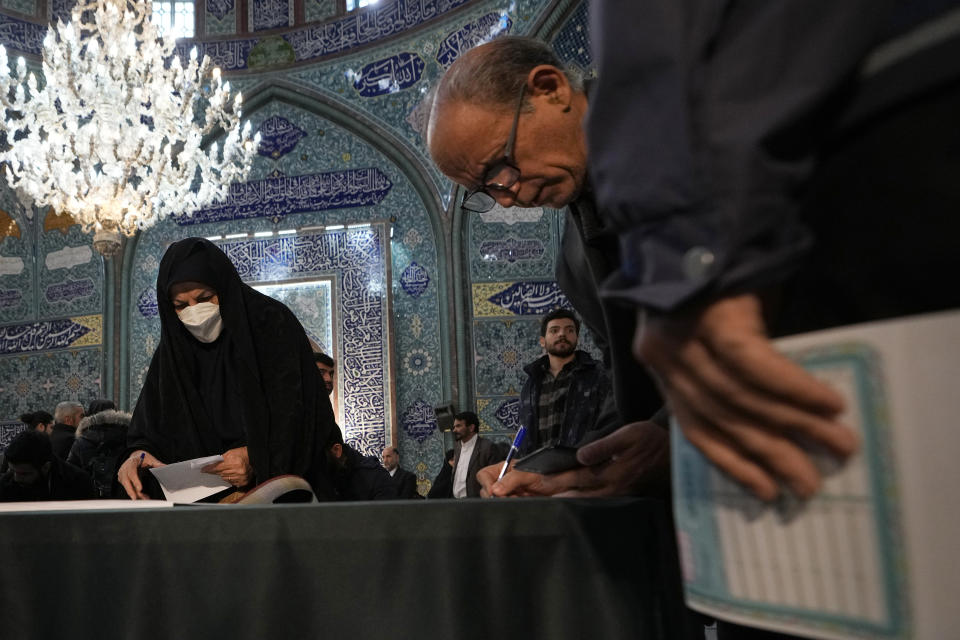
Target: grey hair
492, 73
66, 409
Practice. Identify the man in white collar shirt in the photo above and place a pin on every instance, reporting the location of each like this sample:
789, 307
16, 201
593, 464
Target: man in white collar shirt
471, 454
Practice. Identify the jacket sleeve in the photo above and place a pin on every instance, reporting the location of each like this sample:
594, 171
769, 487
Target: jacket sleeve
703, 124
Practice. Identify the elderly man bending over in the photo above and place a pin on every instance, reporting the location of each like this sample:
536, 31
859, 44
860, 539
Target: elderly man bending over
506, 124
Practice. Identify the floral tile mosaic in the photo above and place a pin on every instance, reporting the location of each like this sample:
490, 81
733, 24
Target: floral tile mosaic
34, 381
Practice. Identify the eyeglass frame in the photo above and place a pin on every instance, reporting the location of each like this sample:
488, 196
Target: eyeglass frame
506, 161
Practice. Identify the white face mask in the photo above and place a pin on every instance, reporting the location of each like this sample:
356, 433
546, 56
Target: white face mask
203, 321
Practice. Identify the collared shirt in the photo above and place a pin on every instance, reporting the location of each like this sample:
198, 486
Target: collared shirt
393, 471
553, 399
460, 474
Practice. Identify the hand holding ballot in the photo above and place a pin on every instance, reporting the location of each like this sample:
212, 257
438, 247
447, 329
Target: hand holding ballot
129, 473
234, 468
189, 480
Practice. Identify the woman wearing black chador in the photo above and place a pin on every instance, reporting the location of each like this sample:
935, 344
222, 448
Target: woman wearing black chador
233, 375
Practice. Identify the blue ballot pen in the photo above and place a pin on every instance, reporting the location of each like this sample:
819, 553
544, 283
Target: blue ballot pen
140, 461
517, 441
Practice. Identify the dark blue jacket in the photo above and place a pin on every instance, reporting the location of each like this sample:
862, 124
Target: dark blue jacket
588, 405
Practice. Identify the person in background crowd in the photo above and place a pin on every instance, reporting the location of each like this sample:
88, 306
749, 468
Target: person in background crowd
39, 421
471, 454
328, 369
67, 416
101, 440
356, 476
404, 481
566, 389
36, 474
442, 486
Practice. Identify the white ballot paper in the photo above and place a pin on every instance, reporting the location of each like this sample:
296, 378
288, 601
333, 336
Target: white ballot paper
184, 482
871, 556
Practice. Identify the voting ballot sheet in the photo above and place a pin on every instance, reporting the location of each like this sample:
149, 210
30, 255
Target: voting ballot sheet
873, 554
184, 482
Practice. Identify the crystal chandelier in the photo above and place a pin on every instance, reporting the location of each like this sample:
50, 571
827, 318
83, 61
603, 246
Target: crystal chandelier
113, 135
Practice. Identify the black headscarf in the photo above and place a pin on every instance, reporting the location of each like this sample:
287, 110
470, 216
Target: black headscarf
256, 385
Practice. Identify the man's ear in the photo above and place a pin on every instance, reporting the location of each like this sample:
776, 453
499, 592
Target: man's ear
543, 343
551, 82
336, 450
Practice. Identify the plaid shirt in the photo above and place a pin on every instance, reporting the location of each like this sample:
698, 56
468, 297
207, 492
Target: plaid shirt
553, 398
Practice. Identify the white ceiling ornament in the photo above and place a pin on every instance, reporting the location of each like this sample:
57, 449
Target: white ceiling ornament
113, 138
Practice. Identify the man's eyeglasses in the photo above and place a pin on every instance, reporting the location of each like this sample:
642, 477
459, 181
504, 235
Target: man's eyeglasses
501, 175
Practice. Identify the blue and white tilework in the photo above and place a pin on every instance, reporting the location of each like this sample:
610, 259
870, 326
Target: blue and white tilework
17, 263
21, 36
389, 75
484, 28
220, 18
572, 42
270, 14
508, 250
277, 195
8, 430
39, 380
60, 9
70, 273
219, 8
278, 137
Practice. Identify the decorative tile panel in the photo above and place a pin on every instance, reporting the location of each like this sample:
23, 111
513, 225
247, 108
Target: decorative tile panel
51, 334
278, 137
398, 72
531, 298
271, 14
17, 262
419, 420
414, 280
219, 8
8, 431
386, 18
572, 42
229, 55
508, 414
502, 349
511, 249
34, 381
60, 9
279, 195
470, 35
69, 290
70, 272
22, 36
147, 303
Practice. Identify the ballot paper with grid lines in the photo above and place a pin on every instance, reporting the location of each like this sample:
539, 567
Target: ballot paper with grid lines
872, 555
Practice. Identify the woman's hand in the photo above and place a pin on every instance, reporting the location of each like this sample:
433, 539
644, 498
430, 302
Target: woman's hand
235, 467
129, 473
